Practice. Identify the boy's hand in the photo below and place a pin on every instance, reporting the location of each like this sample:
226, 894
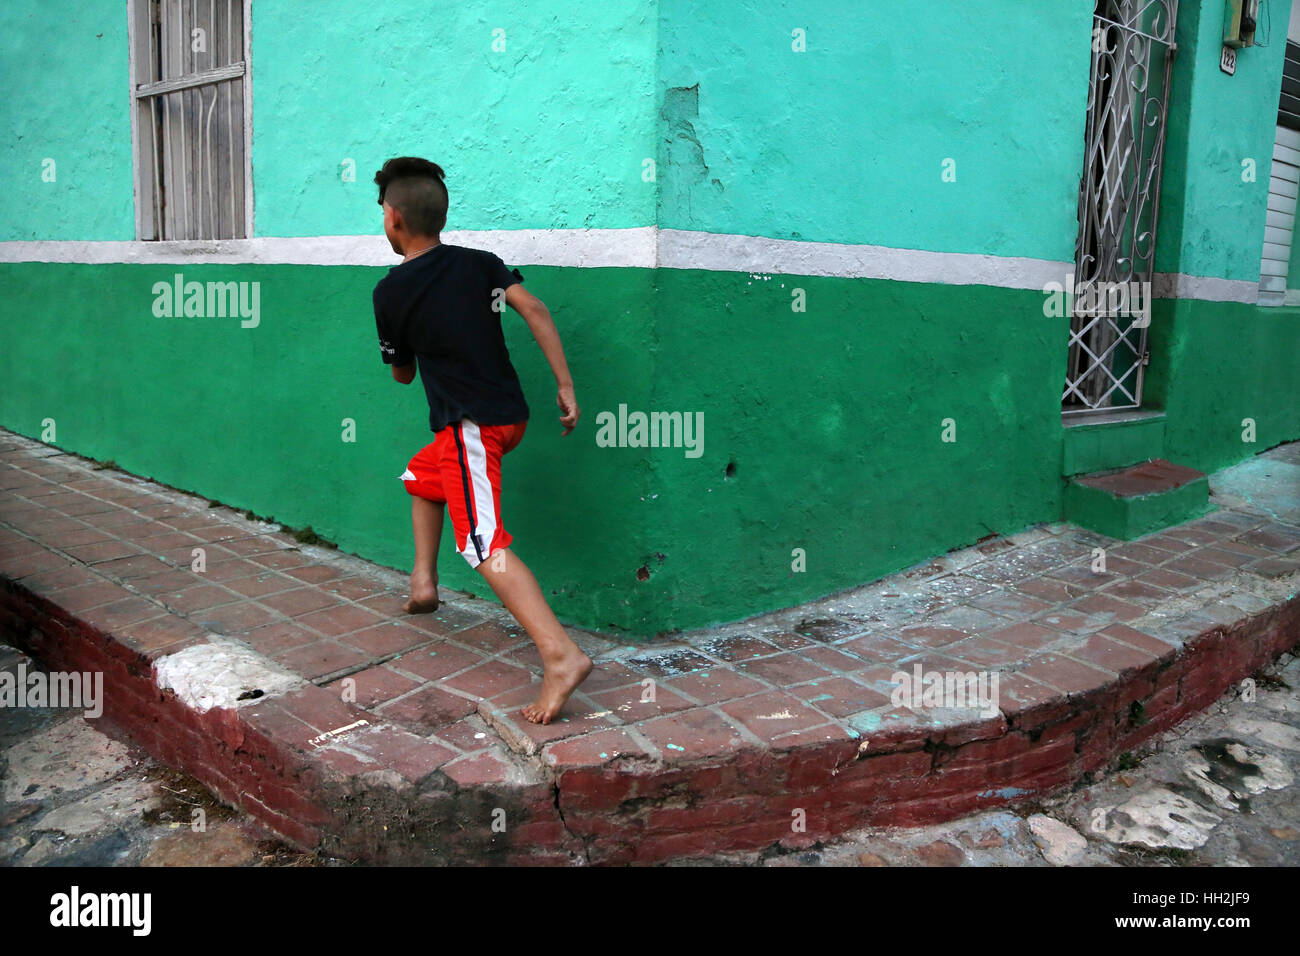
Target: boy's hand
570, 413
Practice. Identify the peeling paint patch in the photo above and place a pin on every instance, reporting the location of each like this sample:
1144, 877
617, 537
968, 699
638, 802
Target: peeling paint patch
1269, 731
1005, 792
865, 722
1229, 772
219, 674
1157, 819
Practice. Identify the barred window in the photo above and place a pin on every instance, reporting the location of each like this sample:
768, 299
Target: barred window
189, 83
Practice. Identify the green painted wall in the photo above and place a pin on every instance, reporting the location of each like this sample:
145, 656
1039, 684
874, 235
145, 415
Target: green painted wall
253, 416
1099, 447
1215, 364
846, 142
63, 68
1211, 221
833, 419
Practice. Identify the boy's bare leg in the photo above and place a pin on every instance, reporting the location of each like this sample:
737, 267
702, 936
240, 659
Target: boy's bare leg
426, 522
564, 664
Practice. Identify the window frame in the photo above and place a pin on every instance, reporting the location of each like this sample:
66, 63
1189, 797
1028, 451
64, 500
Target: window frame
139, 33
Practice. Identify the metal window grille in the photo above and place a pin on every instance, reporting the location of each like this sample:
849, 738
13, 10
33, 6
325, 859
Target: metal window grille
189, 91
1119, 193
1283, 185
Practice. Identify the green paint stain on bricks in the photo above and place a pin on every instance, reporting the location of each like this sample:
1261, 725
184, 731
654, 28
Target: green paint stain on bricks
866, 722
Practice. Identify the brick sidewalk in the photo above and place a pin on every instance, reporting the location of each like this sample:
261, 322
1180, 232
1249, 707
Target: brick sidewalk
394, 738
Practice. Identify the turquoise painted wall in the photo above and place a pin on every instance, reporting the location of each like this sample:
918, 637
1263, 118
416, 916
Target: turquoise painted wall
548, 132
846, 142
63, 68
1211, 221
840, 155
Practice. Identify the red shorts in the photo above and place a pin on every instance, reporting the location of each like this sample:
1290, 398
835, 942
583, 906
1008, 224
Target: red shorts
462, 469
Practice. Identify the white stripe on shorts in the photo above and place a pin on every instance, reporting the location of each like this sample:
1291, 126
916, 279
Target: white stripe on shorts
485, 518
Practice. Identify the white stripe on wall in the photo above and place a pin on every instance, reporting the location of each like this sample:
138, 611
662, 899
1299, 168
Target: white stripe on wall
757, 254
641, 247
550, 247
1175, 285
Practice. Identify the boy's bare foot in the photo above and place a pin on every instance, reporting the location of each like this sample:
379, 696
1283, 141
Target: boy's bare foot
424, 595
559, 680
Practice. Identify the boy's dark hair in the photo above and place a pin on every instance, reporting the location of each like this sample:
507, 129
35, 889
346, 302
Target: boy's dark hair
414, 187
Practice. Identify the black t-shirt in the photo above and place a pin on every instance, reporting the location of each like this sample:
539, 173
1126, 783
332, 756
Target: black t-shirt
437, 308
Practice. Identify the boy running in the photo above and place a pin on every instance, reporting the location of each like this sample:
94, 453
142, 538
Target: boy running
440, 308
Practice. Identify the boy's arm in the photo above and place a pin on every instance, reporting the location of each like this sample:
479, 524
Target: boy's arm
542, 326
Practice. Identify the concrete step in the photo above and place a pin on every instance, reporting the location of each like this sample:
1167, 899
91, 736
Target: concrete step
1127, 503
1111, 440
